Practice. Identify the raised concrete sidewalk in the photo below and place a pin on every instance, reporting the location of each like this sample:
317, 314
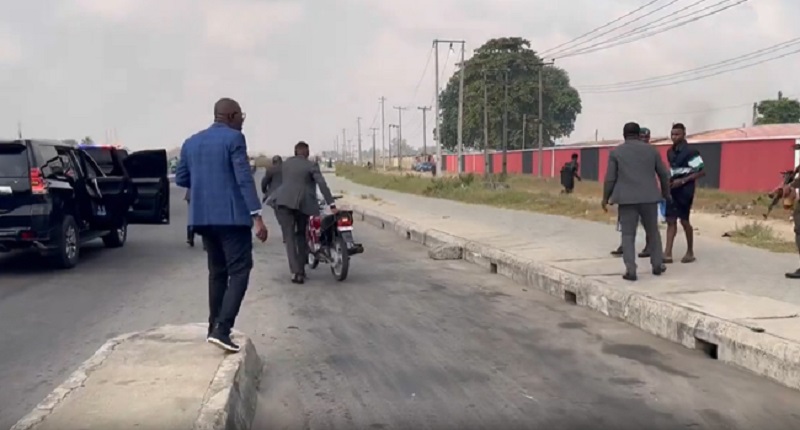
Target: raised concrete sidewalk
734, 302
166, 378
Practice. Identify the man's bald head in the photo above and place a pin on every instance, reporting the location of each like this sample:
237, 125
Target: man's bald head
228, 111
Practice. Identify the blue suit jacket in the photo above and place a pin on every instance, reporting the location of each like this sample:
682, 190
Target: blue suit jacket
215, 168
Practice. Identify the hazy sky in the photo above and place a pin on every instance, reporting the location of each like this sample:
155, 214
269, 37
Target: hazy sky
306, 69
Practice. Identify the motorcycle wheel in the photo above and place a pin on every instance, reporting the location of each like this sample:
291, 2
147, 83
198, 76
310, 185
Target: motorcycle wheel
341, 259
313, 260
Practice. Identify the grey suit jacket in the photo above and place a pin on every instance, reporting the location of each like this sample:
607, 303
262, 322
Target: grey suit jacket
298, 189
272, 180
633, 168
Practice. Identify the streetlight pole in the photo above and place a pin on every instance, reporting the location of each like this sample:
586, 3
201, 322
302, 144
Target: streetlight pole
437, 108
424, 110
400, 110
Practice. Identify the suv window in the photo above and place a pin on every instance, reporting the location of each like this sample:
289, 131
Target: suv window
103, 158
14, 160
89, 166
47, 159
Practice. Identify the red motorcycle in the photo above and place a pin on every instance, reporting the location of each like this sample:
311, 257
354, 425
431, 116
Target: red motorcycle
330, 240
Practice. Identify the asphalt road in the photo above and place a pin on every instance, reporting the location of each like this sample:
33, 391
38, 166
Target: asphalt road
406, 342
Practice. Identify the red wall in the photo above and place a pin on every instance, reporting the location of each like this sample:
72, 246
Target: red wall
754, 165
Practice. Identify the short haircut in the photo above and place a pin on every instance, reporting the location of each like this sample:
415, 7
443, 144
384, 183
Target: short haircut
300, 147
679, 126
631, 129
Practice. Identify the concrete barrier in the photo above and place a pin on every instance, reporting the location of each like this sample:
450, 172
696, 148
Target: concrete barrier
165, 378
728, 341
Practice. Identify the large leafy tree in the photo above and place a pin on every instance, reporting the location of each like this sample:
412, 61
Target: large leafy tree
779, 111
561, 102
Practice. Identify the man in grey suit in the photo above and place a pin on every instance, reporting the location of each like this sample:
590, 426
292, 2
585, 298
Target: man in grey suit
295, 201
631, 183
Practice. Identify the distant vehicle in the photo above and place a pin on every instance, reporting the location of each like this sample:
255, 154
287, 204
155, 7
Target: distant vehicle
424, 166
54, 197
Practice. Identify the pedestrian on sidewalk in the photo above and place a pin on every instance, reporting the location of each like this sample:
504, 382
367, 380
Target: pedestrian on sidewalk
223, 208
631, 183
569, 173
794, 185
644, 136
296, 201
686, 167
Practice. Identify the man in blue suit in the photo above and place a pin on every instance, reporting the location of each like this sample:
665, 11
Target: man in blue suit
223, 208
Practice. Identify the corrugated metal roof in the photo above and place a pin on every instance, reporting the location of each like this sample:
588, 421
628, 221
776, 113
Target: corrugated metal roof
759, 131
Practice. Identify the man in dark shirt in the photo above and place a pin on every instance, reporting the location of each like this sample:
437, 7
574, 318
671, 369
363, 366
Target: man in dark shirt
569, 173
686, 167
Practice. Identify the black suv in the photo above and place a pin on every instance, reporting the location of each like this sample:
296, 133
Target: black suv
54, 197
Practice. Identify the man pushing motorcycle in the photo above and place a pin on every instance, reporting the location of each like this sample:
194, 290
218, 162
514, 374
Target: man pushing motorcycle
295, 202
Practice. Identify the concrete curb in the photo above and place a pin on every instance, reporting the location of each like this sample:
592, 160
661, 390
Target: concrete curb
762, 353
229, 403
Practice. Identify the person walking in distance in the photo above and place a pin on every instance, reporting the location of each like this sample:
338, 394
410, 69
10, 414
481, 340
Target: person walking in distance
630, 182
272, 180
644, 136
295, 201
686, 167
569, 173
223, 208
790, 198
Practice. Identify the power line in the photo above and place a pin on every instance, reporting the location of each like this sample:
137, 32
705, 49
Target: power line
696, 78
600, 46
717, 65
633, 12
569, 49
641, 28
422, 77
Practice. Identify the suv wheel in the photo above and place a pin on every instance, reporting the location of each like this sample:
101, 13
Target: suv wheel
69, 249
118, 237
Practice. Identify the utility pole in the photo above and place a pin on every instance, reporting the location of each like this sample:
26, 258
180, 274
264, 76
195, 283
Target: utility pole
400, 110
374, 153
344, 145
424, 110
19, 130
485, 124
336, 147
505, 122
437, 110
541, 116
359, 142
383, 131
755, 113
524, 121
391, 126
350, 150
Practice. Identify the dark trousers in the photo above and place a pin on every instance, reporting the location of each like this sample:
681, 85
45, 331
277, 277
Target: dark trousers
293, 227
230, 259
796, 216
629, 218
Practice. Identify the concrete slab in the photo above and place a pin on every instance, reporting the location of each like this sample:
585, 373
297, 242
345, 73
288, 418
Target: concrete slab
786, 328
734, 306
166, 378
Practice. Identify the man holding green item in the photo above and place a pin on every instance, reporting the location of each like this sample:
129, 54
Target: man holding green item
644, 136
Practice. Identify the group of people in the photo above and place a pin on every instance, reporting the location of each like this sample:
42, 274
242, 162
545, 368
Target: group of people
225, 210
637, 181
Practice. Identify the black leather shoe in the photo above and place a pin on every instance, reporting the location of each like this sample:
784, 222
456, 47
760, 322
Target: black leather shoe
630, 277
659, 270
298, 279
617, 252
793, 275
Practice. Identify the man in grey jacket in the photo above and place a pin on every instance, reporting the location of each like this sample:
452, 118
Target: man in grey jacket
295, 201
631, 183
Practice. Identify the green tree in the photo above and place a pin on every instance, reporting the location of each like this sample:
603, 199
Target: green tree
779, 111
561, 102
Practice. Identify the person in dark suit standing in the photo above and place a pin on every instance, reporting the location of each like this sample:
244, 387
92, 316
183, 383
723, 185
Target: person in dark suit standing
631, 183
644, 137
273, 178
223, 208
295, 201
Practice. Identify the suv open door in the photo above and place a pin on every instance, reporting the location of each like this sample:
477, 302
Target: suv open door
148, 172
